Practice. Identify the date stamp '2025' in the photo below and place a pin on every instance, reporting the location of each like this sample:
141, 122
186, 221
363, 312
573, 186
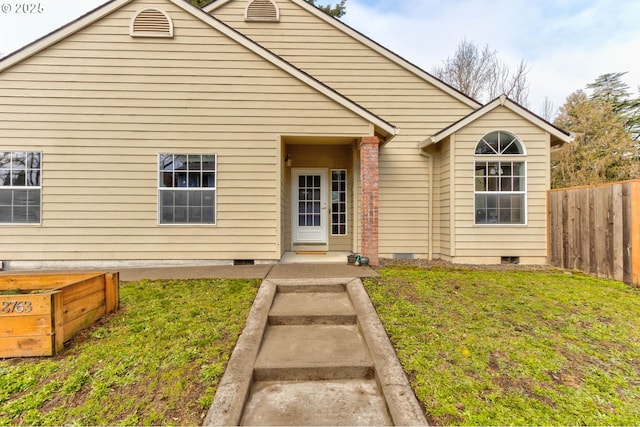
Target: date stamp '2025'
22, 8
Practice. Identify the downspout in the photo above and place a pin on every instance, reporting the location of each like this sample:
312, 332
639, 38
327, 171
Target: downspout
430, 186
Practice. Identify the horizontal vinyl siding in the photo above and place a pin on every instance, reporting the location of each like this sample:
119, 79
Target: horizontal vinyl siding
525, 241
407, 101
101, 105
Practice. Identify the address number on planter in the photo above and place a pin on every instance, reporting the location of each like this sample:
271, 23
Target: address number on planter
16, 307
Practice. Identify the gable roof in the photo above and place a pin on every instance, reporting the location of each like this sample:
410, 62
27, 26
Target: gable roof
558, 136
392, 56
383, 128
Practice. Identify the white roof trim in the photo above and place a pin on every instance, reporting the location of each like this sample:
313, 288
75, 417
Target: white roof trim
507, 103
61, 33
110, 7
373, 45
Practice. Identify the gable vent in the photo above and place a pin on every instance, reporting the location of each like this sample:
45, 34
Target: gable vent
262, 10
151, 22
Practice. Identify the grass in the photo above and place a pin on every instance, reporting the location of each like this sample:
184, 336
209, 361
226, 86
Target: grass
156, 362
480, 348
515, 347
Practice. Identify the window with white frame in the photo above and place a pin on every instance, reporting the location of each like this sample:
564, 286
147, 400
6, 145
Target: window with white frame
187, 188
20, 187
338, 202
500, 180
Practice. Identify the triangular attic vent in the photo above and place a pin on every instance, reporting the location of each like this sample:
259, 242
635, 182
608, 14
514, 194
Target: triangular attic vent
151, 22
262, 10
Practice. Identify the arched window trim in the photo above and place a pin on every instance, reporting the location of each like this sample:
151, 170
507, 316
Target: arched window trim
522, 151
160, 28
270, 17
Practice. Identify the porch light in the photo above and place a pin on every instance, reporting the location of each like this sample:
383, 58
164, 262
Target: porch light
288, 161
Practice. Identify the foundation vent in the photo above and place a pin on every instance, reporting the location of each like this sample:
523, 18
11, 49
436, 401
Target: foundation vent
151, 22
262, 10
510, 260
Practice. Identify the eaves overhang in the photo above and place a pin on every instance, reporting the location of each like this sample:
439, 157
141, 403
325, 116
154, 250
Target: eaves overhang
383, 129
392, 56
558, 136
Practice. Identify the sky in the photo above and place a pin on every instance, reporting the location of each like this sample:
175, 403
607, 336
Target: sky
566, 43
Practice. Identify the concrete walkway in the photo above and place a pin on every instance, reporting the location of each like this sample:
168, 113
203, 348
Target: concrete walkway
313, 351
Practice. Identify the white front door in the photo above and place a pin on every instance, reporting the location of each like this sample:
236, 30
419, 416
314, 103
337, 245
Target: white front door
309, 207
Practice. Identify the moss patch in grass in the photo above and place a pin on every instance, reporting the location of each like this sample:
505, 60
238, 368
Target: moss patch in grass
155, 362
514, 347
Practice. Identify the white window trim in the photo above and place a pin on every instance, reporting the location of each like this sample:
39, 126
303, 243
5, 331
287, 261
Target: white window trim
525, 193
346, 202
215, 197
521, 158
524, 148
38, 187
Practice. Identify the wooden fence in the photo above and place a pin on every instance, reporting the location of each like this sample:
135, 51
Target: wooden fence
596, 229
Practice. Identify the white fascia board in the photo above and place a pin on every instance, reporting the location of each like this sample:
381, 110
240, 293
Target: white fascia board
214, 5
507, 103
373, 45
104, 10
288, 67
61, 33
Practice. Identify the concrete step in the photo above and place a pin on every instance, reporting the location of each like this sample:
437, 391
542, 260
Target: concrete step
313, 351
319, 403
309, 308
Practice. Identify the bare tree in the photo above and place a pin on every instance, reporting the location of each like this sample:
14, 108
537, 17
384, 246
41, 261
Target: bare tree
514, 85
469, 70
480, 75
547, 110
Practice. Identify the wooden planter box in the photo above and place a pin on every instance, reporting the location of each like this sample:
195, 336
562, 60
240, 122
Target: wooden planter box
39, 312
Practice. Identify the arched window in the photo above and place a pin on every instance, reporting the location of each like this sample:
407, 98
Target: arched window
500, 180
262, 10
151, 22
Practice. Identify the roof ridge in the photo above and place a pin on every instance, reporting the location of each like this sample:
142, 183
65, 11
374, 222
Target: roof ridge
386, 52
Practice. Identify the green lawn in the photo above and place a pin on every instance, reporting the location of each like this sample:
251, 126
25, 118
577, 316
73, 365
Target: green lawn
514, 347
156, 362
480, 348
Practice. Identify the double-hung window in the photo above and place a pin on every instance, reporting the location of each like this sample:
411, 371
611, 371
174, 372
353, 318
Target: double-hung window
187, 188
20, 187
500, 180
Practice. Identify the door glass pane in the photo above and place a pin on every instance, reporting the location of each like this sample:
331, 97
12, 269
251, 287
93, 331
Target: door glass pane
338, 202
309, 198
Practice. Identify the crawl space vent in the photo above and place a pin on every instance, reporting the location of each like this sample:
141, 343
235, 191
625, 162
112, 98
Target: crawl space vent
262, 10
151, 22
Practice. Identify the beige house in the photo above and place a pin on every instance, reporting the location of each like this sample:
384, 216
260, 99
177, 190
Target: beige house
153, 132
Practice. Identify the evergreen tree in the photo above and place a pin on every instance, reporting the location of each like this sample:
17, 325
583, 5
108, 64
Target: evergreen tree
610, 88
338, 10
603, 151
